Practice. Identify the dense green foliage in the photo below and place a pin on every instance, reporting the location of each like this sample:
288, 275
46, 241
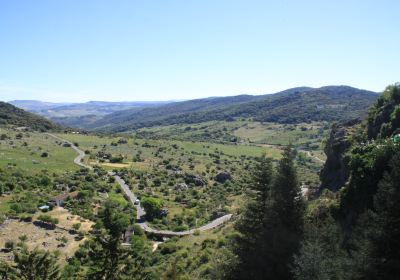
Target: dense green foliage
106, 255
11, 115
364, 231
152, 206
30, 265
350, 235
271, 227
291, 106
384, 117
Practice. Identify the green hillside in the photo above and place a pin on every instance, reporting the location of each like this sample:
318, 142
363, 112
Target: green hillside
11, 115
295, 105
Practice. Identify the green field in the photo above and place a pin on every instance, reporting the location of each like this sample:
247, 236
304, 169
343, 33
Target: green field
281, 134
25, 153
240, 131
172, 149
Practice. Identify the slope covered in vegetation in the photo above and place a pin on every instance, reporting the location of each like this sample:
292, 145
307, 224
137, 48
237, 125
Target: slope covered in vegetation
350, 234
11, 115
291, 106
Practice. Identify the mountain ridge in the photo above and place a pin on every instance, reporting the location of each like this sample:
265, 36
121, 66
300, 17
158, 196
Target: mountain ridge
11, 115
300, 104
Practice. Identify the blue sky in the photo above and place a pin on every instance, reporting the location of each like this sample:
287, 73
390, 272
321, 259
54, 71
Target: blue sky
73, 50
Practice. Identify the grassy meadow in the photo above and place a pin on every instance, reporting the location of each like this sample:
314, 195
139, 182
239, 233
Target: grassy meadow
25, 151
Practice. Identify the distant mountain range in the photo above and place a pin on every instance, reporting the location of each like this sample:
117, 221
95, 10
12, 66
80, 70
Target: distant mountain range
80, 114
301, 104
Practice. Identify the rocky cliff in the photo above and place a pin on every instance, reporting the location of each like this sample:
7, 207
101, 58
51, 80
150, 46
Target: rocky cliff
335, 172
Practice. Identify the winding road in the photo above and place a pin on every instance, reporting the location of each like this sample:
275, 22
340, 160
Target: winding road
78, 159
140, 211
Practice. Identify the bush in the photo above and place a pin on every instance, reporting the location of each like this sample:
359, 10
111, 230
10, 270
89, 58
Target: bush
152, 206
116, 159
137, 230
44, 154
76, 226
180, 228
48, 220
25, 218
9, 245
23, 238
168, 248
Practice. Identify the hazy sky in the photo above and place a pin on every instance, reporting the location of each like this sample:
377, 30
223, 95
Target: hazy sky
80, 50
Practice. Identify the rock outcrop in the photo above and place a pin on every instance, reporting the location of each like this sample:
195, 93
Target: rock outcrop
194, 180
335, 172
222, 177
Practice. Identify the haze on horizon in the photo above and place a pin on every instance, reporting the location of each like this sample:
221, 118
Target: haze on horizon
76, 51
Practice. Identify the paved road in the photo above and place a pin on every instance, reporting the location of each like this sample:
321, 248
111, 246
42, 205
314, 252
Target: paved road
81, 154
141, 213
130, 195
132, 198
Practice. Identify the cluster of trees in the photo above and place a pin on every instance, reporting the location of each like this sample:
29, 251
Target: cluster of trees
35, 264
271, 228
384, 116
152, 206
353, 234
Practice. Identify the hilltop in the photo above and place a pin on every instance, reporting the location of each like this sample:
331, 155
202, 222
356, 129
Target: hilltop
296, 105
11, 115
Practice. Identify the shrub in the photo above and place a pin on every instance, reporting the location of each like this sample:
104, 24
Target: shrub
23, 238
76, 226
48, 220
116, 159
138, 230
9, 245
44, 154
168, 248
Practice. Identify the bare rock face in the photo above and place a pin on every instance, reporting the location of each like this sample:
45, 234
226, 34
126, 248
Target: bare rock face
335, 172
194, 180
198, 182
222, 177
182, 187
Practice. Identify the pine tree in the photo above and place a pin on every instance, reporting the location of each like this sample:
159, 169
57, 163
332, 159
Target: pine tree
30, 265
106, 253
271, 227
283, 220
321, 255
248, 261
384, 233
